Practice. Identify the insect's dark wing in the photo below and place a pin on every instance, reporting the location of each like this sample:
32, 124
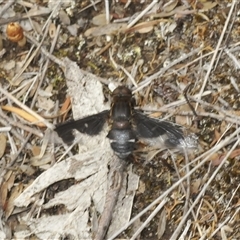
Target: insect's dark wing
90, 125
152, 128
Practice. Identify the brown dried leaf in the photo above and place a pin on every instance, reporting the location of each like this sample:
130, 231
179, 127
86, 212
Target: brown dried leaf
6, 186
36, 150
16, 191
235, 153
65, 107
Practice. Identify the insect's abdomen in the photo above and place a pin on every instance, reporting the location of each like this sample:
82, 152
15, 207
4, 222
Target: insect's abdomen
122, 138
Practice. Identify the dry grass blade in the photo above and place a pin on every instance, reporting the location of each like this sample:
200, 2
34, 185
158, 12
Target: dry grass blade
23, 114
32, 113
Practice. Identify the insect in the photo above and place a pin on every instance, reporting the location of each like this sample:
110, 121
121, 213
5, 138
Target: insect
127, 125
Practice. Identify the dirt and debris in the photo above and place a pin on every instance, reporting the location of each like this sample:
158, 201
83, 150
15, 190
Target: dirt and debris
73, 54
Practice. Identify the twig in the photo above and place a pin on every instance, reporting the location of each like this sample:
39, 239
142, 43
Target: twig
129, 76
234, 59
149, 7
90, 5
107, 11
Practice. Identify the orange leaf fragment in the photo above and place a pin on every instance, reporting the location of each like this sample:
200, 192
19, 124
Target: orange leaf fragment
65, 107
24, 115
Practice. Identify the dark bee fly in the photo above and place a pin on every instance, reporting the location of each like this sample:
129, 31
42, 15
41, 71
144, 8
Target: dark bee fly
126, 126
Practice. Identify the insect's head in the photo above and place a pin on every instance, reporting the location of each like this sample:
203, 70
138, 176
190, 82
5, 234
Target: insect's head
122, 91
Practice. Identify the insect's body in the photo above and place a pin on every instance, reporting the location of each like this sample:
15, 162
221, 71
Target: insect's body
126, 126
121, 135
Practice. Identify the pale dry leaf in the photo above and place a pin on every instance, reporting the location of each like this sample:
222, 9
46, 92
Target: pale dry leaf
99, 20
45, 103
3, 143
109, 29
73, 29
45, 159
8, 65
8, 13
28, 170
26, 25
38, 10
170, 5
64, 18
162, 224
208, 5
145, 29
